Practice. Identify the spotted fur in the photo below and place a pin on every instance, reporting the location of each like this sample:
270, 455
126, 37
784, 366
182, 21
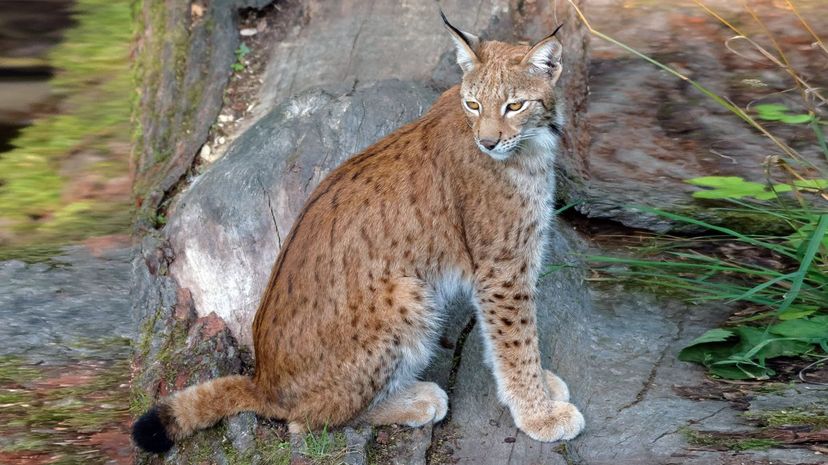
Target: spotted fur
354, 304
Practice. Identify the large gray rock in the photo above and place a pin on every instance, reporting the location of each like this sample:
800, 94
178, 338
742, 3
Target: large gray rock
355, 41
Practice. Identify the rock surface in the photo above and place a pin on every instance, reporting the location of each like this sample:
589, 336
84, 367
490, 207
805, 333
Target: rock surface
245, 205
651, 131
64, 308
65, 327
184, 60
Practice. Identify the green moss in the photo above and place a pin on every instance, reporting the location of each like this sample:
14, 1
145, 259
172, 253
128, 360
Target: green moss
815, 418
84, 407
165, 46
194, 94
147, 331
754, 444
23, 444
563, 450
12, 396
234, 457
72, 459
15, 371
176, 341
371, 455
109, 347
772, 388
727, 442
139, 401
171, 341
202, 445
743, 221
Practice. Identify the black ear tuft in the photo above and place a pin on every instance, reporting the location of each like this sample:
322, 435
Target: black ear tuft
150, 434
460, 34
556, 30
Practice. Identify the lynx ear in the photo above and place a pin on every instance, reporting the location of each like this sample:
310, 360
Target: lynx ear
545, 56
466, 45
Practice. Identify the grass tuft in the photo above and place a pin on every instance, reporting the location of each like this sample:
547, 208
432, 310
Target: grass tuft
324, 447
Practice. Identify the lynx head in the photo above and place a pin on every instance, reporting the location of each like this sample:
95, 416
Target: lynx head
508, 91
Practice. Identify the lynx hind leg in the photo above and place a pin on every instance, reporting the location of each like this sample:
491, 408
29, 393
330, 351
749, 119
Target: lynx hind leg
557, 387
416, 405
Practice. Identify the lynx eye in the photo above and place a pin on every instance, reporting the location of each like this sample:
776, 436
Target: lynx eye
472, 105
515, 106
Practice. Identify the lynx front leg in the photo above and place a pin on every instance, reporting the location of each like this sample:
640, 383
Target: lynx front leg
535, 397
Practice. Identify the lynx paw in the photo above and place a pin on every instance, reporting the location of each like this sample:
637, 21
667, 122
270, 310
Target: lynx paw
417, 405
555, 421
430, 405
557, 388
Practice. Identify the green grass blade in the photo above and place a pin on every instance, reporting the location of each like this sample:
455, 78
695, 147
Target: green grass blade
721, 229
820, 135
792, 217
712, 291
763, 286
689, 266
566, 207
731, 266
814, 244
757, 317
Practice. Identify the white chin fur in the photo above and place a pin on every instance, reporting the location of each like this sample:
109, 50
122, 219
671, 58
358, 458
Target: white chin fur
543, 140
499, 156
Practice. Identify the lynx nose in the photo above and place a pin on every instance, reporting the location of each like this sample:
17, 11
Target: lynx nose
488, 143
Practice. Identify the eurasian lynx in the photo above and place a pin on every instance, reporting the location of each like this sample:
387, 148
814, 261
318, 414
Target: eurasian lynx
456, 202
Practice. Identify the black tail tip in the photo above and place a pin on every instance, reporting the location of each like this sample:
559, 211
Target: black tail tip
150, 434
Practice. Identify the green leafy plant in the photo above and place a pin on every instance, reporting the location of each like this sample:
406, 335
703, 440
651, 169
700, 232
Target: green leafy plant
241, 53
780, 112
735, 187
786, 291
741, 353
